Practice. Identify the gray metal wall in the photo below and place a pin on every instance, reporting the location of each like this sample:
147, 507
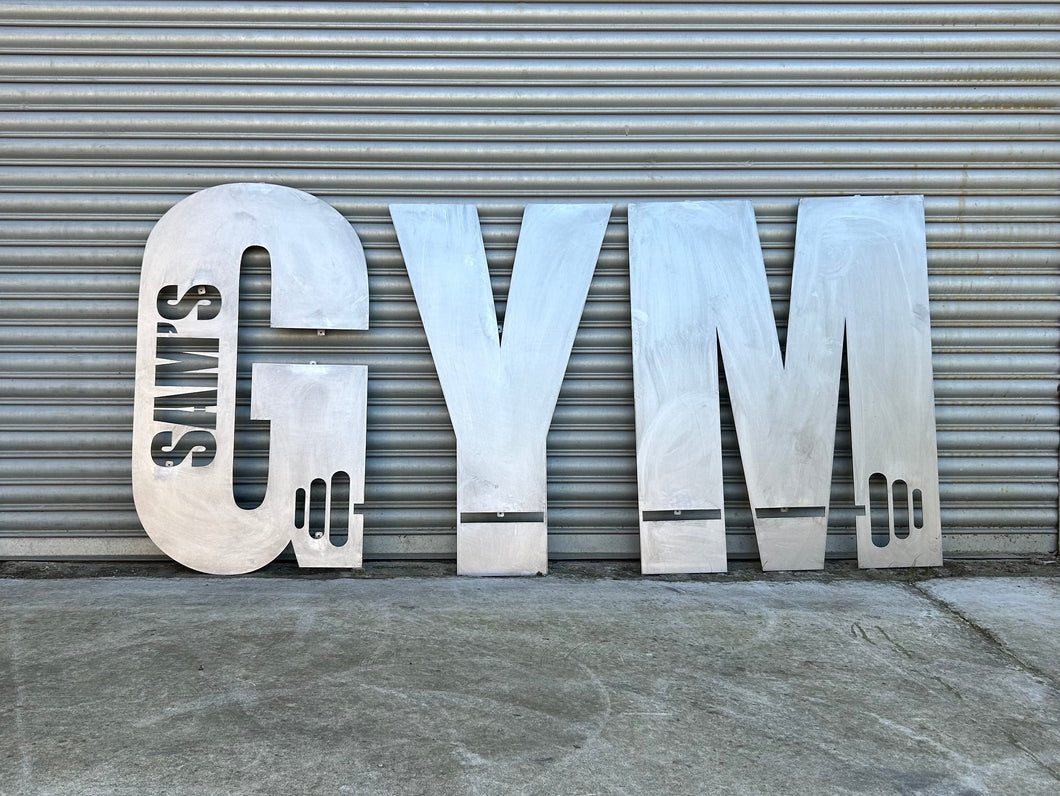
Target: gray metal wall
111, 112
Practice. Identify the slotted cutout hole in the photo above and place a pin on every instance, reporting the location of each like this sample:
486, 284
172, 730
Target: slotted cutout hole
340, 508
900, 501
299, 508
918, 509
879, 511
318, 497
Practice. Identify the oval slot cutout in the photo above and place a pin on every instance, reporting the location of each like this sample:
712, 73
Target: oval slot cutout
879, 510
900, 501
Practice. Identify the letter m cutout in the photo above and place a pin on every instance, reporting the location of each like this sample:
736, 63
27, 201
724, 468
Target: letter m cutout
698, 283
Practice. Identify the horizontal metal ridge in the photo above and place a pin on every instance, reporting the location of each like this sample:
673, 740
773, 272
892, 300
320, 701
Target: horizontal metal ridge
545, 154
97, 93
1021, 59
858, 14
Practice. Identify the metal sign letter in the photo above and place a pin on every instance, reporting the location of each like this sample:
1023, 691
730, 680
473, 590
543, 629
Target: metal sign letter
501, 388
698, 282
184, 416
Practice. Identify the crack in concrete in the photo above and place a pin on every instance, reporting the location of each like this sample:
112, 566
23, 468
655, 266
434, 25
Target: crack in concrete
1012, 739
988, 636
1002, 648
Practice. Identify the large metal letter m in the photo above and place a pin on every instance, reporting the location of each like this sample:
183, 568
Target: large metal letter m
698, 283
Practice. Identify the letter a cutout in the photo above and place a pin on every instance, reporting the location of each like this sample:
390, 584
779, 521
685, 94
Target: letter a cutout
698, 283
317, 412
501, 387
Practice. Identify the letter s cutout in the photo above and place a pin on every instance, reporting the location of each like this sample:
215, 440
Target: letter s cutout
319, 281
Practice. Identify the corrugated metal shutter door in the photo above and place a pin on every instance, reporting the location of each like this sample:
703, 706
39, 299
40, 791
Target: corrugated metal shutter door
112, 112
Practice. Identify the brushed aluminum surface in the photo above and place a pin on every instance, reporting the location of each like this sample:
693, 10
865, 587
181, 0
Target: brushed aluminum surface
698, 283
186, 350
501, 387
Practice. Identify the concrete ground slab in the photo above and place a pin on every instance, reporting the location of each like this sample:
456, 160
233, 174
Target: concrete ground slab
1022, 615
548, 685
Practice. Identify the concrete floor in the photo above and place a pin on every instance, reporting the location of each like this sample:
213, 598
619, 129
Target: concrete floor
563, 684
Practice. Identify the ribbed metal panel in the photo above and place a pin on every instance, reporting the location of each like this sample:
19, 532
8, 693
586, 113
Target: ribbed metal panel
111, 112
